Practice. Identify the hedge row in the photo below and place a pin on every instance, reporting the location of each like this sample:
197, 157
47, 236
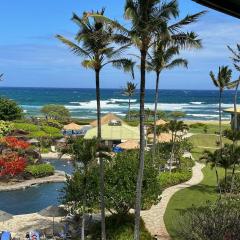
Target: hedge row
40, 170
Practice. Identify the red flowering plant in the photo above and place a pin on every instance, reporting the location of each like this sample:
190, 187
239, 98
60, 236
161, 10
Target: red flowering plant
15, 143
13, 158
11, 164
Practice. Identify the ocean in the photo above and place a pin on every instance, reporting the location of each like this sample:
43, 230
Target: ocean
197, 104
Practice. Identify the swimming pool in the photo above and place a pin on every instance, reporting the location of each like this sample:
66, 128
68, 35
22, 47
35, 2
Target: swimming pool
35, 198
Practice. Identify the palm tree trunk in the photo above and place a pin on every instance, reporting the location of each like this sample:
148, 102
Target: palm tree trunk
220, 118
220, 140
83, 212
155, 117
129, 106
142, 148
172, 151
102, 191
235, 135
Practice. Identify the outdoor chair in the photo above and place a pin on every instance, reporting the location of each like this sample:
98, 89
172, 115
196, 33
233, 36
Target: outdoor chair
6, 235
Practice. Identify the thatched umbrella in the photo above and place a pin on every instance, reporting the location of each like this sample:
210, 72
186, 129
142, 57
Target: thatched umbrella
72, 127
53, 211
128, 145
160, 122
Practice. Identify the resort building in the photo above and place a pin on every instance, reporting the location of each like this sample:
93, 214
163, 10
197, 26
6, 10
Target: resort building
232, 112
114, 133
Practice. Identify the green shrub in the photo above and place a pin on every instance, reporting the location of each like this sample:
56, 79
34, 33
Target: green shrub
213, 221
186, 163
227, 186
38, 134
167, 179
9, 110
197, 125
40, 170
119, 227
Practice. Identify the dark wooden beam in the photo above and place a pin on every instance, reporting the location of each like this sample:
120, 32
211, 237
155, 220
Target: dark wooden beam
230, 7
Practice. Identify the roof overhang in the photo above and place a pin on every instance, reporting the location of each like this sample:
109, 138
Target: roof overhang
230, 7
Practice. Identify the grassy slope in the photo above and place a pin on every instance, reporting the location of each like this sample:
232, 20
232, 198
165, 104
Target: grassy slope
196, 195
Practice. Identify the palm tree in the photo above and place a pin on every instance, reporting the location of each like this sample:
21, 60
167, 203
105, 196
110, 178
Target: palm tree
222, 157
221, 81
129, 91
149, 19
95, 44
235, 84
161, 59
83, 152
175, 127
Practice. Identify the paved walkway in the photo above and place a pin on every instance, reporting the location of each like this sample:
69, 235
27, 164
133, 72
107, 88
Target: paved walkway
153, 217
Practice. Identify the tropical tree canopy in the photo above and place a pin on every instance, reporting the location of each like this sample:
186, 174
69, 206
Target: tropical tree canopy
9, 110
95, 43
55, 112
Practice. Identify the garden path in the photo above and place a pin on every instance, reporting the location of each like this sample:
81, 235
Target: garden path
153, 218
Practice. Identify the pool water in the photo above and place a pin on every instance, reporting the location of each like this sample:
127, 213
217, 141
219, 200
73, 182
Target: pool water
35, 198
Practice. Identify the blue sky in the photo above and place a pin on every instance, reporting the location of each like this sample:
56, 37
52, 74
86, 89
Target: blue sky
30, 55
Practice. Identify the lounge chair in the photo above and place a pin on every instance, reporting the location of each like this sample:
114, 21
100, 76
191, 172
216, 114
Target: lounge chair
6, 235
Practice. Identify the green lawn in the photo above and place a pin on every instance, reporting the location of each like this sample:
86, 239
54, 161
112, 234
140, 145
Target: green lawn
186, 198
212, 128
202, 142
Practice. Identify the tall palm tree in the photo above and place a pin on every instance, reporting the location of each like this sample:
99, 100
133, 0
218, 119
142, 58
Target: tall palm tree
236, 62
221, 81
161, 59
95, 44
129, 91
148, 19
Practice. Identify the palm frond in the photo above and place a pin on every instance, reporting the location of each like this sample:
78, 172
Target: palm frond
185, 21
125, 64
177, 62
187, 40
73, 47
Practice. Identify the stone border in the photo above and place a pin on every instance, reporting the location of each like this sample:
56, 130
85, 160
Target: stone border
58, 177
154, 217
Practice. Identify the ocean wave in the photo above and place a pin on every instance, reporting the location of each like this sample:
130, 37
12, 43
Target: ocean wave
122, 100
197, 103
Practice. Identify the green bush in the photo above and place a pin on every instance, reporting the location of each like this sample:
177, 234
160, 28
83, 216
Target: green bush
197, 125
9, 110
186, 163
40, 170
213, 221
167, 179
119, 227
227, 186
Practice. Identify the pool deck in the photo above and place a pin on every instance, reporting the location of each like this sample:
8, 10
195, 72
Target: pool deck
58, 177
55, 155
19, 225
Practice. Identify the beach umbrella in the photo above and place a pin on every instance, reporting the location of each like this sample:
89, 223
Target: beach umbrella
53, 211
4, 216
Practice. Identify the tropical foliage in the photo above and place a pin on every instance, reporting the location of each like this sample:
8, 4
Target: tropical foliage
56, 112
9, 110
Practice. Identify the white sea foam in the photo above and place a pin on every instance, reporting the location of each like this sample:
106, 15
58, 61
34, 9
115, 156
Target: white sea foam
197, 103
121, 100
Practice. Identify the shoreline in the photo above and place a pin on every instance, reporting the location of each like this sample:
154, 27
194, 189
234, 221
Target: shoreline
58, 177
